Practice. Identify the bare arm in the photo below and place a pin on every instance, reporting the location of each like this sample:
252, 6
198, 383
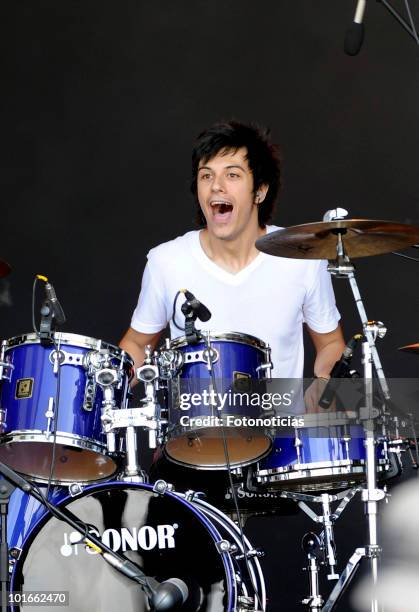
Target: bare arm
329, 347
134, 343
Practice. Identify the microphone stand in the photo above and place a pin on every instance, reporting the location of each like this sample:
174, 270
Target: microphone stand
6, 489
192, 334
118, 561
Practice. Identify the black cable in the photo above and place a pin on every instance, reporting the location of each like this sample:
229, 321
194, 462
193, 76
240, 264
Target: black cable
404, 256
174, 311
230, 476
56, 411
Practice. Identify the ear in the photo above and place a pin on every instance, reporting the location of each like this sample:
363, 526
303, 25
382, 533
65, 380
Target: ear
260, 194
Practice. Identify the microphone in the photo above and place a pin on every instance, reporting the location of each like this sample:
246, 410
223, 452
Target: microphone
200, 310
354, 35
171, 594
339, 370
55, 304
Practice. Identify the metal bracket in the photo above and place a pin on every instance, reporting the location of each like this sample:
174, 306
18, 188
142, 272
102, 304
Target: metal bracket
223, 546
373, 496
60, 358
203, 356
161, 487
75, 488
130, 417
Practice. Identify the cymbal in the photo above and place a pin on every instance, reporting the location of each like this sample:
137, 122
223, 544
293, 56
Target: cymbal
5, 269
361, 238
410, 348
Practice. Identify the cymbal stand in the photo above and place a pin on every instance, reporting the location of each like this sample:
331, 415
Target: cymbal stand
342, 267
371, 495
321, 550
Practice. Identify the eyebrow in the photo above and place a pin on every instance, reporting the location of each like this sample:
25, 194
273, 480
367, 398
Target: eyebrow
226, 168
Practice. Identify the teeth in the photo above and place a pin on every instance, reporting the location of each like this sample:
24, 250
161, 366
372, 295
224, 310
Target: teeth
221, 206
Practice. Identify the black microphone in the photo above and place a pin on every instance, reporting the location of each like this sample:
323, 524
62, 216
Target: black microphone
339, 370
55, 304
201, 311
354, 36
170, 595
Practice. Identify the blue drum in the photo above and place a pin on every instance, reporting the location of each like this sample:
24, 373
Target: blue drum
328, 456
200, 414
164, 533
50, 406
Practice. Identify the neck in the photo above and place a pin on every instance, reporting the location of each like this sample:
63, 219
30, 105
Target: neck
233, 254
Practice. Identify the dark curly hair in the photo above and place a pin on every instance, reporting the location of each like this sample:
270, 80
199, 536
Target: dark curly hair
262, 156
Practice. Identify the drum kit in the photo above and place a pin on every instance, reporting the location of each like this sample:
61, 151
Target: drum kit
82, 504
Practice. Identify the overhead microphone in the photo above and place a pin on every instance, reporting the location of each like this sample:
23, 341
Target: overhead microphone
55, 304
354, 36
200, 310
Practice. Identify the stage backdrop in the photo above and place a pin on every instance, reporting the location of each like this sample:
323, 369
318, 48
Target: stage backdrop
101, 102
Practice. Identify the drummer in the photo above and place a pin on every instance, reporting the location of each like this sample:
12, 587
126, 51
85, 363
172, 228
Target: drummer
235, 180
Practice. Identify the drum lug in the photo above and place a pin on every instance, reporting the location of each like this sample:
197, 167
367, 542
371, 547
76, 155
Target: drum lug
50, 416
6, 369
3, 424
161, 487
264, 371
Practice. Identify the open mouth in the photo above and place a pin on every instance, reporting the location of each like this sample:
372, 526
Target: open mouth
221, 210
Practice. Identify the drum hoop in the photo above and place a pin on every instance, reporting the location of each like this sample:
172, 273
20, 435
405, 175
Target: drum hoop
233, 527
215, 535
217, 336
67, 339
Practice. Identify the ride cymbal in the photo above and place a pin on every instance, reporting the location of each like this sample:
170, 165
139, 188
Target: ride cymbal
361, 238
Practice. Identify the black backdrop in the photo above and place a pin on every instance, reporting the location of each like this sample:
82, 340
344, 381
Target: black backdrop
100, 104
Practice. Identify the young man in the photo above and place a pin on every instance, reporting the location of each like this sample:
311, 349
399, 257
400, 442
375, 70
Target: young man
235, 178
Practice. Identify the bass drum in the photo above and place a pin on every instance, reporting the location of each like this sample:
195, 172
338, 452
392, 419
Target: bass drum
164, 533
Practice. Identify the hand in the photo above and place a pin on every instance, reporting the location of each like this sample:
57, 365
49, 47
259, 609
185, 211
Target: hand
313, 394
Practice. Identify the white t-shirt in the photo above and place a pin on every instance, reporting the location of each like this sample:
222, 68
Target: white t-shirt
271, 298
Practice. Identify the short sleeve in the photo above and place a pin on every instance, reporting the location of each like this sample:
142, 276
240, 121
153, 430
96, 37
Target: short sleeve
150, 315
319, 308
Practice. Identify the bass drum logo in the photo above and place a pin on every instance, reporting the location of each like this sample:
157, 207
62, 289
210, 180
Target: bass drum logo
143, 538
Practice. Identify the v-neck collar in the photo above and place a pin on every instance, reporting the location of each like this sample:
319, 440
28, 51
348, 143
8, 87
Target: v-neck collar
220, 273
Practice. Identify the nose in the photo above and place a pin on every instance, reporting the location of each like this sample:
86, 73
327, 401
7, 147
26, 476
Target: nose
217, 185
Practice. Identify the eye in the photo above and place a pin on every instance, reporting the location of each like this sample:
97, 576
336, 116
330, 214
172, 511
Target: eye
233, 175
204, 176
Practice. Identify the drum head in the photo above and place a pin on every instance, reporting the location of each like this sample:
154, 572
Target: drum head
165, 536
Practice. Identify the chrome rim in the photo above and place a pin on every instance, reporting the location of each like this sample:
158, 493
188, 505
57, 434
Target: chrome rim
224, 337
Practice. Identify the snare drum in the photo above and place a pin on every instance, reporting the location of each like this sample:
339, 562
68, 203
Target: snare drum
328, 456
49, 390
241, 366
163, 533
